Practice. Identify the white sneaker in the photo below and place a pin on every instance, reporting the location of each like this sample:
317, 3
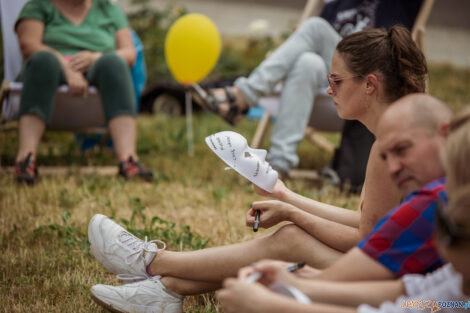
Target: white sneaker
119, 251
147, 296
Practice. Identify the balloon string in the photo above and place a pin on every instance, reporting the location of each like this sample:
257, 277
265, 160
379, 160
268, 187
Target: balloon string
189, 123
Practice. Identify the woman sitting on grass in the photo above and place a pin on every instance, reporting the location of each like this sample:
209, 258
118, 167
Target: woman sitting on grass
363, 85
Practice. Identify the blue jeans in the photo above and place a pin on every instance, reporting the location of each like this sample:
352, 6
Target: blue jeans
302, 62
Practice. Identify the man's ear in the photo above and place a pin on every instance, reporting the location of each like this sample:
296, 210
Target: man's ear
443, 129
371, 83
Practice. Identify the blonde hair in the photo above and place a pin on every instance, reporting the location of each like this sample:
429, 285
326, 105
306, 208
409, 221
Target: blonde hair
456, 158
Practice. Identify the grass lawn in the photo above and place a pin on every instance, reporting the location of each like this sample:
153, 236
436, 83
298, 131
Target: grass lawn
45, 263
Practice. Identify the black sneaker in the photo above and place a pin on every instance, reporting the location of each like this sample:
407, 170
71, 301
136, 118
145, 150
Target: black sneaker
131, 169
26, 171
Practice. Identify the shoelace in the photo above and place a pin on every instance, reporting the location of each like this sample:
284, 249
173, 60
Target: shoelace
140, 247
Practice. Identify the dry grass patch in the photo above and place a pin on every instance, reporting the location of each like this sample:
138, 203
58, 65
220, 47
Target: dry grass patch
45, 263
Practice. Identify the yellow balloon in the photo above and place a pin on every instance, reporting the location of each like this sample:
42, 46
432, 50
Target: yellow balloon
192, 48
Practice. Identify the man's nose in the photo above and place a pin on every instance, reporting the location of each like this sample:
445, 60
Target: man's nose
394, 166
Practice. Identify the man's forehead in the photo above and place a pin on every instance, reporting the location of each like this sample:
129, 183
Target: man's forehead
393, 124
391, 137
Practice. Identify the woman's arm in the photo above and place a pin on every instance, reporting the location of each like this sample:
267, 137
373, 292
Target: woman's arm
341, 293
239, 296
124, 46
329, 212
351, 294
380, 195
336, 235
30, 33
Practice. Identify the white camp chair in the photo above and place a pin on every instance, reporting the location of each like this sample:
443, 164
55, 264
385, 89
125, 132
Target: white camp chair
271, 104
70, 112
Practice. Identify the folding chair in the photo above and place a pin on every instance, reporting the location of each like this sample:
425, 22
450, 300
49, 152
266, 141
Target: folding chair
271, 103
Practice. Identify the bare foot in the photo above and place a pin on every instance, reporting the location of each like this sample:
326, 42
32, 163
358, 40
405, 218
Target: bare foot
224, 107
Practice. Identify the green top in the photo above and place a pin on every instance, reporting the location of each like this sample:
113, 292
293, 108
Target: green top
95, 33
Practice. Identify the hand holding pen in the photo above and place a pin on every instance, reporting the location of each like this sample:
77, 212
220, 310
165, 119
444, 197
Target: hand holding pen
257, 275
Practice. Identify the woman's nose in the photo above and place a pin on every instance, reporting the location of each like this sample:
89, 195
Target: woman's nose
329, 91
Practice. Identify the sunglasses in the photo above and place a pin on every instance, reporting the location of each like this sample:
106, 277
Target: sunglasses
334, 81
447, 232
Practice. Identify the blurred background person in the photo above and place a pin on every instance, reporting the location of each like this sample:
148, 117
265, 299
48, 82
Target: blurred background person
78, 43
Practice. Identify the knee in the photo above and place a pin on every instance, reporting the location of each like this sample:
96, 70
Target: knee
111, 62
288, 231
286, 238
311, 68
313, 25
43, 61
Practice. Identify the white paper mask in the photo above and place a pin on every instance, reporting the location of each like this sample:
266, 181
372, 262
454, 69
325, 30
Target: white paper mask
233, 149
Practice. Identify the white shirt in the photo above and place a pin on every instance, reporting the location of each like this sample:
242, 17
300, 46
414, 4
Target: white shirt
441, 288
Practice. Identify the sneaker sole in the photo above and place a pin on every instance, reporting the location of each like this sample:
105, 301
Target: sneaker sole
103, 304
112, 309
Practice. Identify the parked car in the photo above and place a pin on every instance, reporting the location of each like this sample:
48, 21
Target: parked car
168, 96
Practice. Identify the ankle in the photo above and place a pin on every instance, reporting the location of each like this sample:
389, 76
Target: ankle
172, 285
127, 158
154, 268
22, 156
240, 98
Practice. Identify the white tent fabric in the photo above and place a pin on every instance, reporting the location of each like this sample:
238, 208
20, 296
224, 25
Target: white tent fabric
9, 10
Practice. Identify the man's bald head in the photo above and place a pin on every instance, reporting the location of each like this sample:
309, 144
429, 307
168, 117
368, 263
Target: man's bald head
410, 136
421, 110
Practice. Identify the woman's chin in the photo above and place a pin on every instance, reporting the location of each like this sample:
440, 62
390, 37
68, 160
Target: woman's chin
340, 112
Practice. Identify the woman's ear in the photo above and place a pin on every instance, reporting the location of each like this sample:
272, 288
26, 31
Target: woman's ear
371, 84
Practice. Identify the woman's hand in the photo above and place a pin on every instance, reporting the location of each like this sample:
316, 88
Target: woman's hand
278, 193
82, 61
77, 83
238, 296
272, 213
272, 271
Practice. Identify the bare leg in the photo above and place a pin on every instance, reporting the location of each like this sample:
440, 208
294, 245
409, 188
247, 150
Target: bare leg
289, 243
188, 287
123, 132
31, 128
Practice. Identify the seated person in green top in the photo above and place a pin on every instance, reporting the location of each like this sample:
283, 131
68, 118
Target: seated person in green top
78, 43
